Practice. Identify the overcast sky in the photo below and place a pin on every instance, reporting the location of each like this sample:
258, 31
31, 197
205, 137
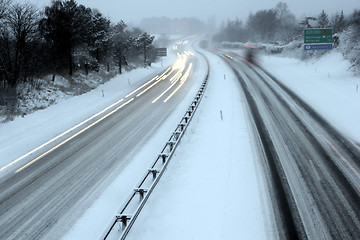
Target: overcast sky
132, 11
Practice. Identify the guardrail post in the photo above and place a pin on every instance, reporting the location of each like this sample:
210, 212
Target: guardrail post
141, 192
123, 220
163, 157
186, 119
176, 135
181, 125
154, 172
171, 146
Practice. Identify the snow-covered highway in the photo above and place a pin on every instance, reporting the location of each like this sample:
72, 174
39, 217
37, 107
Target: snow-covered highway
312, 169
257, 162
43, 191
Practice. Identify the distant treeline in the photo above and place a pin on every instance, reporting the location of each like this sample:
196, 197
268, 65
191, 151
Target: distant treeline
280, 25
64, 37
177, 26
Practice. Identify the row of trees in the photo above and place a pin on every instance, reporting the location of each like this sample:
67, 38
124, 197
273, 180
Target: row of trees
65, 36
178, 26
279, 24
264, 25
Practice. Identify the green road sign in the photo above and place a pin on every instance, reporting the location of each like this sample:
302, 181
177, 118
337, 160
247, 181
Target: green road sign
323, 35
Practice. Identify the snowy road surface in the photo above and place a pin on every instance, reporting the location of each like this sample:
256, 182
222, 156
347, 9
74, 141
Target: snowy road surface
313, 170
66, 180
212, 188
282, 172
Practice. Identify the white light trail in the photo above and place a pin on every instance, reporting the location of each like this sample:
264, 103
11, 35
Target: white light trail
162, 94
61, 135
144, 85
73, 136
183, 80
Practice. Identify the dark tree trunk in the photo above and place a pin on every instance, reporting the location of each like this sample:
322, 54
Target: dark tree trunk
120, 65
70, 63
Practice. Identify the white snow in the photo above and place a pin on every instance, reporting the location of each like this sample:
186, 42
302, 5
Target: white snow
326, 85
96, 219
211, 188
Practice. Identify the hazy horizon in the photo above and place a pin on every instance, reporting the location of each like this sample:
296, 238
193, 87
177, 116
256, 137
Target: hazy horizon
223, 10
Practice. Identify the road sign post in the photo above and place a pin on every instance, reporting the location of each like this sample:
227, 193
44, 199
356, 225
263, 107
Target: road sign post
318, 39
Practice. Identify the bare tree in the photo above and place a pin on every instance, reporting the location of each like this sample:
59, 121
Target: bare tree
4, 7
286, 22
21, 22
263, 25
355, 21
3, 12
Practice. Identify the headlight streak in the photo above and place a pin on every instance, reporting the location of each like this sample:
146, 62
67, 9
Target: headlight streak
149, 87
176, 76
343, 158
161, 77
164, 76
144, 85
73, 136
182, 81
179, 64
189, 53
164, 73
61, 135
162, 94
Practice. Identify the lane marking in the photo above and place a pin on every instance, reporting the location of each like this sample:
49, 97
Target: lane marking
61, 135
73, 136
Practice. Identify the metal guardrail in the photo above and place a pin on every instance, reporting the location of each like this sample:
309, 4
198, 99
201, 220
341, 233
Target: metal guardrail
137, 199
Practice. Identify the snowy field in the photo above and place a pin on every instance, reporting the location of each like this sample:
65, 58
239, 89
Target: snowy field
215, 163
